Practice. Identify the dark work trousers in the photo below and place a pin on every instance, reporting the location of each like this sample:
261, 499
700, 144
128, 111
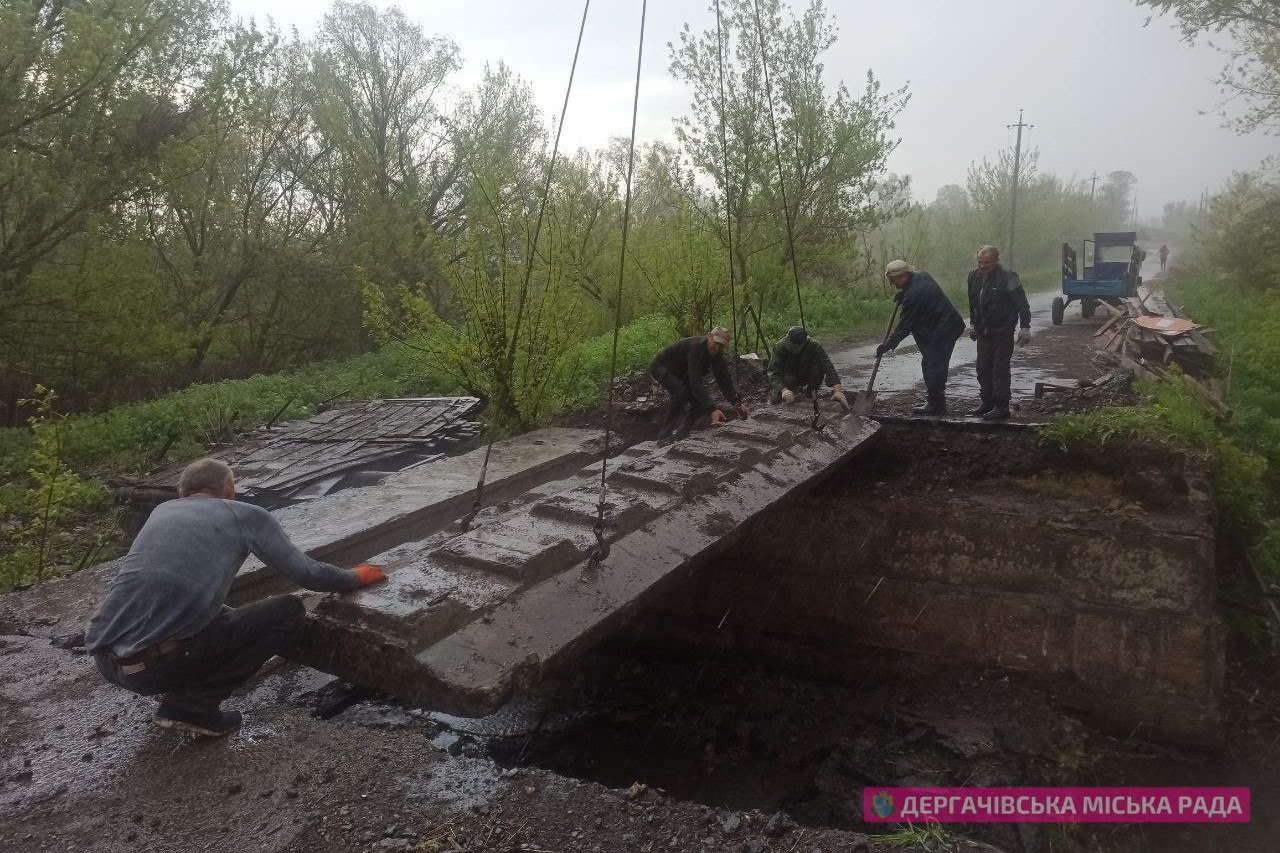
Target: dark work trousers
808, 384
994, 354
213, 663
935, 364
682, 404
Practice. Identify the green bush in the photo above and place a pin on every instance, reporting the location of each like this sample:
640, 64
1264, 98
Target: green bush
52, 497
587, 367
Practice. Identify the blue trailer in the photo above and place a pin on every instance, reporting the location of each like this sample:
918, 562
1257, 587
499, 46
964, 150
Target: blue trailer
1112, 272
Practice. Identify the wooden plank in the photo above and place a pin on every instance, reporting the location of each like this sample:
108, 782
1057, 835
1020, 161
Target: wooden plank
1116, 336
1115, 320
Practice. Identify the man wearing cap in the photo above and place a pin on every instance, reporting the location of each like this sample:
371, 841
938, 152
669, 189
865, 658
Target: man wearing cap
997, 306
929, 317
164, 627
800, 364
681, 368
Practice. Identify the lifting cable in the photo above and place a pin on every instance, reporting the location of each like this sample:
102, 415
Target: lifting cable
782, 187
602, 548
528, 270
728, 188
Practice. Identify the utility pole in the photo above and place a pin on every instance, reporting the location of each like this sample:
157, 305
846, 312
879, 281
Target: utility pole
1093, 186
1017, 168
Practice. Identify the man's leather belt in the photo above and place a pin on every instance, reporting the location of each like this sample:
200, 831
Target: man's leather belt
150, 653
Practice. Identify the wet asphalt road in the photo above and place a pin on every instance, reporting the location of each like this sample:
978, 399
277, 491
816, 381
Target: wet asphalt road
900, 370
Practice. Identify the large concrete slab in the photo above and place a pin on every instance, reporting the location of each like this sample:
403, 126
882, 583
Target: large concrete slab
465, 620
349, 527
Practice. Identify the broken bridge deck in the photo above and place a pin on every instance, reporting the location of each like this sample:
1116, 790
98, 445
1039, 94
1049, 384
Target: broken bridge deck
465, 619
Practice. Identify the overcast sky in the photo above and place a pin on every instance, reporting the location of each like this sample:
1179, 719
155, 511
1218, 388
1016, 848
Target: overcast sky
1103, 92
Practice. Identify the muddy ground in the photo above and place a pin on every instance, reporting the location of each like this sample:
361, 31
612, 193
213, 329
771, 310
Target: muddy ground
628, 752
82, 770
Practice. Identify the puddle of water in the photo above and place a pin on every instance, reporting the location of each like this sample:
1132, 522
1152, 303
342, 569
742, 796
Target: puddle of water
524, 714
445, 739
376, 716
900, 369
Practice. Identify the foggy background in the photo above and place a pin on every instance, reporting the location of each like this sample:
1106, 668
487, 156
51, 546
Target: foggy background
1102, 91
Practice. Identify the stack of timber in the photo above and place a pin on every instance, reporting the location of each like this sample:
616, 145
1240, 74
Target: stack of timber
1154, 340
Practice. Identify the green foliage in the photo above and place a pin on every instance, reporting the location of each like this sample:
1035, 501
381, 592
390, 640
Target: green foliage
54, 495
587, 367
834, 144
1240, 236
831, 315
1246, 314
931, 837
1172, 420
1252, 70
185, 422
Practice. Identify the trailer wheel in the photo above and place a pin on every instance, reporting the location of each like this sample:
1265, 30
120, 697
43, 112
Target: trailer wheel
1059, 308
1087, 307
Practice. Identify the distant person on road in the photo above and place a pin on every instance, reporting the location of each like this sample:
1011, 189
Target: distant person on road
164, 627
799, 365
1164, 256
997, 306
930, 318
681, 369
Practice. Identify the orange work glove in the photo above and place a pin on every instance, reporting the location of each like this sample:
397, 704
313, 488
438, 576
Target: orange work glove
369, 574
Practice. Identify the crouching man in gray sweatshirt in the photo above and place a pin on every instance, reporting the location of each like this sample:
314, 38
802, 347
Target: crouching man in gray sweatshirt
164, 627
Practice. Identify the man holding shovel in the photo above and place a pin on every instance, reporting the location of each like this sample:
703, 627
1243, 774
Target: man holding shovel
929, 317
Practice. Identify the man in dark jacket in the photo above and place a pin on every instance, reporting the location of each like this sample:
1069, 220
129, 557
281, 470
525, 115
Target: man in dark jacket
164, 627
997, 306
929, 317
800, 364
681, 369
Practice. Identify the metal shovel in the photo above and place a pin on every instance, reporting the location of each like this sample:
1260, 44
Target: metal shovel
864, 402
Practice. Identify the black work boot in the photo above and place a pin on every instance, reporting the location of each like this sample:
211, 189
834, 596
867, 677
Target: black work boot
982, 409
930, 409
208, 724
998, 412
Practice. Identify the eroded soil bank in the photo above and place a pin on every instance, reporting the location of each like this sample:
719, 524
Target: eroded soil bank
773, 680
